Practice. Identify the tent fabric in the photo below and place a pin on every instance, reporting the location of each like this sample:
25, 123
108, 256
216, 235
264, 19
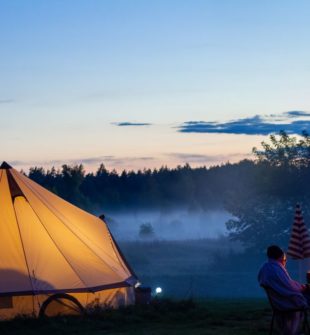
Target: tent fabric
12, 306
49, 245
299, 245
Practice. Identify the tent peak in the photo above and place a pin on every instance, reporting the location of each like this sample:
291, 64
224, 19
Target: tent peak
5, 166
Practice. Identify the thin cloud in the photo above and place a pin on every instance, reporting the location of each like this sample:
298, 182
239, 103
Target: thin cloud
85, 161
205, 159
6, 101
256, 125
293, 114
126, 124
109, 160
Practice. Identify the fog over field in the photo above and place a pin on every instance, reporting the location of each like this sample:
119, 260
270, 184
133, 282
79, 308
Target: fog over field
168, 225
187, 253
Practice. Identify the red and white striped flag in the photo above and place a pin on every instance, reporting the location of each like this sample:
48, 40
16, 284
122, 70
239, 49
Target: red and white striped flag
299, 245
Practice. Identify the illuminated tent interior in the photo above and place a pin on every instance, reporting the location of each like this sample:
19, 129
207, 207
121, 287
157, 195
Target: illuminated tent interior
54, 257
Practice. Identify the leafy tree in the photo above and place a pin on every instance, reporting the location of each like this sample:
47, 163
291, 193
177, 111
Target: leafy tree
263, 213
37, 174
258, 221
70, 182
285, 150
146, 230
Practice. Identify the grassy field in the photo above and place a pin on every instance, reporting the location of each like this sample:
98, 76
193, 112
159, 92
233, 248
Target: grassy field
225, 317
199, 269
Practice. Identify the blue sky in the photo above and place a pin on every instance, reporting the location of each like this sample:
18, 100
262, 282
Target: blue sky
73, 71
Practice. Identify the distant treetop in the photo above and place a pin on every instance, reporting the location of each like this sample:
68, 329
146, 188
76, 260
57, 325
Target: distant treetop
284, 150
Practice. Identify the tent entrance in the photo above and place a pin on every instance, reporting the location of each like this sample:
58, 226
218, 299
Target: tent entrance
61, 304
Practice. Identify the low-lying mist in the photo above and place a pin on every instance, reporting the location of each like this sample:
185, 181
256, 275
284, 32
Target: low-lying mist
169, 225
187, 253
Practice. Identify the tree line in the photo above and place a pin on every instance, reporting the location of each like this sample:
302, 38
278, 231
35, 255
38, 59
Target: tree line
164, 188
259, 193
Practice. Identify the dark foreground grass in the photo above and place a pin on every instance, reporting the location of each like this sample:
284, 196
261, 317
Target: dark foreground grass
225, 317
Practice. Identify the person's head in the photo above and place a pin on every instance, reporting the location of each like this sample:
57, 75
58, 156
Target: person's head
276, 253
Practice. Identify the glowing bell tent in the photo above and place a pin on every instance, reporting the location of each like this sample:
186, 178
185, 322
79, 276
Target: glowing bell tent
54, 257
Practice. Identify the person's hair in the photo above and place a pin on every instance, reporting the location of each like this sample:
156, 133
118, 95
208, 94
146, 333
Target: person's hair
274, 252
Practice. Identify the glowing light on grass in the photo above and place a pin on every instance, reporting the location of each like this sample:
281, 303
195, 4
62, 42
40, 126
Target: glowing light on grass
158, 290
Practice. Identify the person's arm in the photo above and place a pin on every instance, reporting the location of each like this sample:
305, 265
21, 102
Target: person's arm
299, 286
284, 285
291, 289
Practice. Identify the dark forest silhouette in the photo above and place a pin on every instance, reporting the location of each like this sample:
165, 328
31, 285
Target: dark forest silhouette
260, 193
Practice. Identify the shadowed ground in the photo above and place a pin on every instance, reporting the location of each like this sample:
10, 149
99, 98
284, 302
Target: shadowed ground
225, 317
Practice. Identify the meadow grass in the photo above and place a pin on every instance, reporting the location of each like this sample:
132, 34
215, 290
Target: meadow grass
196, 268
162, 317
